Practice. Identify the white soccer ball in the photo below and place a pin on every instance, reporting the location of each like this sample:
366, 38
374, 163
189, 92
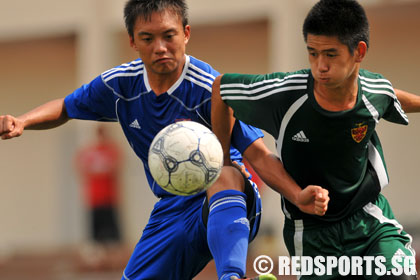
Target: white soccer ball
185, 158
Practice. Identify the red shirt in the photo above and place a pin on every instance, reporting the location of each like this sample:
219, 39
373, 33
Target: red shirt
99, 166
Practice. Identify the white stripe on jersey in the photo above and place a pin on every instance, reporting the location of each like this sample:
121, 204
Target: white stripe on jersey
371, 108
135, 65
202, 72
397, 104
371, 86
398, 107
375, 80
257, 97
259, 89
207, 87
123, 66
287, 117
200, 81
128, 74
276, 80
192, 73
383, 86
378, 91
378, 164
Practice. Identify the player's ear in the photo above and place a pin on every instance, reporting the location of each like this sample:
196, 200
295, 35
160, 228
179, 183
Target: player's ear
132, 43
361, 51
187, 33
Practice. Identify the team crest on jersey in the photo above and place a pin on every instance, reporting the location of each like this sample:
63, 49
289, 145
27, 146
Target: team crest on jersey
358, 133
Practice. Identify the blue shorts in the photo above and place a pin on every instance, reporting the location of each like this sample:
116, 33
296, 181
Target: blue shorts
174, 242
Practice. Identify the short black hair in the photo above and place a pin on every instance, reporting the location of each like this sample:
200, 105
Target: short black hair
144, 8
345, 19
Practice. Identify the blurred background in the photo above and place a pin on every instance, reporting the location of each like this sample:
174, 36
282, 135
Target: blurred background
48, 48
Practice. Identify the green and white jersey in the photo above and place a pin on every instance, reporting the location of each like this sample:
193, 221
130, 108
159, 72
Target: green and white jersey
316, 146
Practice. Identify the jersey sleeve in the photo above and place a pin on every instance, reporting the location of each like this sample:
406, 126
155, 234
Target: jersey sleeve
244, 135
255, 99
394, 112
381, 96
93, 101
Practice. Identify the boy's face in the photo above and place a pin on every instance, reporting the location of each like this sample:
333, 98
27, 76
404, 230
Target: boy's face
161, 42
332, 64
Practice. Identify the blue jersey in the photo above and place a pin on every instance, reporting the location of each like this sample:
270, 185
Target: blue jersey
123, 94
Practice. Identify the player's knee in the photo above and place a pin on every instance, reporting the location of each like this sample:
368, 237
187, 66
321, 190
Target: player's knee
230, 179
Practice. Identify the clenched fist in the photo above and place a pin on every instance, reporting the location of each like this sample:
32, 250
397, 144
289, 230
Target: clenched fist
313, 200
10, 127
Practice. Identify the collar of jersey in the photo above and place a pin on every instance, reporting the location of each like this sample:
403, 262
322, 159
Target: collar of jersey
176, 84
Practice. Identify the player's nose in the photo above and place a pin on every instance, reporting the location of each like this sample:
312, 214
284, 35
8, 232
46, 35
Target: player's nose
160, 46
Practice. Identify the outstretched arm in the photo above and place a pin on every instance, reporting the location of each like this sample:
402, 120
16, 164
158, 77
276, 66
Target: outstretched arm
409, 102
312, 200
46, 116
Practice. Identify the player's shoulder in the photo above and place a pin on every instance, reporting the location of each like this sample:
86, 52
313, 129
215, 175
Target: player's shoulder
372, 77
302, 76
201, 68
125, 78
303, 73
375, 83
198, 75
126, 70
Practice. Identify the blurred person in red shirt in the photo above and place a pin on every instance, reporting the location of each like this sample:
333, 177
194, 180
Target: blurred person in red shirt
99, 166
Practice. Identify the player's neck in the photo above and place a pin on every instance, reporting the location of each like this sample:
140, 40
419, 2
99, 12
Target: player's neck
339, 98
162, 82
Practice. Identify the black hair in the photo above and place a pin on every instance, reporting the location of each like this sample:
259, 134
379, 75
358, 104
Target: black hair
144, 9
345, 19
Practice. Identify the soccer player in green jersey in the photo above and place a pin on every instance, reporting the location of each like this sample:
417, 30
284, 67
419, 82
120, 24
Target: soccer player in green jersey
323, 120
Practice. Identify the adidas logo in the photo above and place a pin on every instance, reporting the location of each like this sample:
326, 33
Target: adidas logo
300, 137
243, 221
135, 124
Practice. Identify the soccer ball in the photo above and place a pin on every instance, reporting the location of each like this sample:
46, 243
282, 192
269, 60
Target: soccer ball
185, 158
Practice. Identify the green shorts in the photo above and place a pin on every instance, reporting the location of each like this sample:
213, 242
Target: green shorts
371, 232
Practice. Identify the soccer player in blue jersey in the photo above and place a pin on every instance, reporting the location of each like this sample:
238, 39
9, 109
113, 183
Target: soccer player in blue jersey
164, 86
323, 120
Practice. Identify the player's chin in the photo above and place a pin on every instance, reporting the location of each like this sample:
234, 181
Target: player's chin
164, 68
